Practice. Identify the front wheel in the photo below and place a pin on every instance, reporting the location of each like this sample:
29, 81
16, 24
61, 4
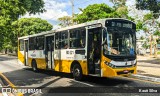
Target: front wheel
77, 72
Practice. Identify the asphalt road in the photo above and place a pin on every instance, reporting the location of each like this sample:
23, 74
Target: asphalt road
58, 84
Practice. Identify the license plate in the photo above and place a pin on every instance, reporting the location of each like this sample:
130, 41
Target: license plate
125, 71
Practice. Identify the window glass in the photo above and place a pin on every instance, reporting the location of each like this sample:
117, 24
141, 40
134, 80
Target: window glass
58, 40
50, 43
77, 38
32, 43
64, 40
40, 43
119, 42
21, 45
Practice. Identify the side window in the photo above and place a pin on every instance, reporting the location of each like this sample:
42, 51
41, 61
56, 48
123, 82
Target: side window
21, 45
50, 42
40, 43
58, 40
77, 38
32, 43
64, 40
82, 35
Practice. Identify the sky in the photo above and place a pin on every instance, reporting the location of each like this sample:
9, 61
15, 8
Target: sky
59, 8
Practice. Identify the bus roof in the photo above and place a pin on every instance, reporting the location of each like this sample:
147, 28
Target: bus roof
102, 21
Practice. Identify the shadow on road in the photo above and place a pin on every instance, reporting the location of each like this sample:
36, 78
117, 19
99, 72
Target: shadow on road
26, 76
154, 61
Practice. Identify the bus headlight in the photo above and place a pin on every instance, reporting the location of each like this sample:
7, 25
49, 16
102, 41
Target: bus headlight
133, 63
110, 64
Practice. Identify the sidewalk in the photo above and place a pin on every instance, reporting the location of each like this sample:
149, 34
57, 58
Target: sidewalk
148, 68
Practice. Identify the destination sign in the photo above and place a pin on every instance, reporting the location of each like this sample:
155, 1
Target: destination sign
123, 24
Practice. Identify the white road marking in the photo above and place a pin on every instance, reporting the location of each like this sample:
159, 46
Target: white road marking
83, 83
148, 78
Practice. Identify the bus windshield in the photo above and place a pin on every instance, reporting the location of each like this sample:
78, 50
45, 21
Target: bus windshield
119, 41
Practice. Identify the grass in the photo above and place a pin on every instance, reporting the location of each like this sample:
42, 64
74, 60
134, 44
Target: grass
158, 52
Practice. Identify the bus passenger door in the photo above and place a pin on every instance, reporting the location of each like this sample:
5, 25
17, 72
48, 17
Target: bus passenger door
50, 52
94, 51
26, 52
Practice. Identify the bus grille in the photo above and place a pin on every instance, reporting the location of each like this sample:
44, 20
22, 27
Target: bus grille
122, 72
124, 66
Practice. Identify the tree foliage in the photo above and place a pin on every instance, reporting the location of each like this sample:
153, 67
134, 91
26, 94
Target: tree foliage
118, 3
65, 21
28, 26
148, 17
139, 25
96, 11
157, 33
122, 11
152, 5
10, 10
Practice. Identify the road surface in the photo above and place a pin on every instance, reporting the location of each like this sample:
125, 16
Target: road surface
59, 84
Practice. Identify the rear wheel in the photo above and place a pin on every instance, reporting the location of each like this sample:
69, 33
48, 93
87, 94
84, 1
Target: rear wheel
34, 66
77, 72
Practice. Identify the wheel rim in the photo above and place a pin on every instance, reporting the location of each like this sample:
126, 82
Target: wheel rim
77, 72
34, 66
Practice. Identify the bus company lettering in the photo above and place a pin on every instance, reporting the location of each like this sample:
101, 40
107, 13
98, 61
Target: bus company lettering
70, 52
33, 55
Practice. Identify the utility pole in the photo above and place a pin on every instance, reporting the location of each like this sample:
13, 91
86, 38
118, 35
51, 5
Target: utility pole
72, 1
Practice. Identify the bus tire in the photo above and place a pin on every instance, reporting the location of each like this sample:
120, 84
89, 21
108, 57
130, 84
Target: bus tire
77, 72
34, 66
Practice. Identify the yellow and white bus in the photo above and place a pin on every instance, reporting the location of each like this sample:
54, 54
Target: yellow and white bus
104, 48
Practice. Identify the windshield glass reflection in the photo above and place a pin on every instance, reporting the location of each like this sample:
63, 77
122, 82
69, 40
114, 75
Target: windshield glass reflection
119, 42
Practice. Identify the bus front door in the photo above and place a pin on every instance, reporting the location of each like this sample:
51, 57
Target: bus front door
50, 52
26, 52
94, 51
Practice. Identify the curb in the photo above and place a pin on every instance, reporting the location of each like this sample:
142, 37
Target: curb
148, 78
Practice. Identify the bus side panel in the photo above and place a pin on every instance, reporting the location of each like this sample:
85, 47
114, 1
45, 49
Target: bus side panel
65, 65
29, 61
41, 63
62, 66
84, 67
64, 59
39, 57
21, 57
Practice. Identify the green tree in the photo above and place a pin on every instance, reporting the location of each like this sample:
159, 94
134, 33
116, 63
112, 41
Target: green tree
148, 17
152, 5
28, 26
139, 25
123, 12
65, 21
10, 10
94, 12
157, 33
118, 3
13, 8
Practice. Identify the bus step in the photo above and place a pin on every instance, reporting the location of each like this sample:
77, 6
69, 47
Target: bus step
97, 71
97, 66
96, 75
